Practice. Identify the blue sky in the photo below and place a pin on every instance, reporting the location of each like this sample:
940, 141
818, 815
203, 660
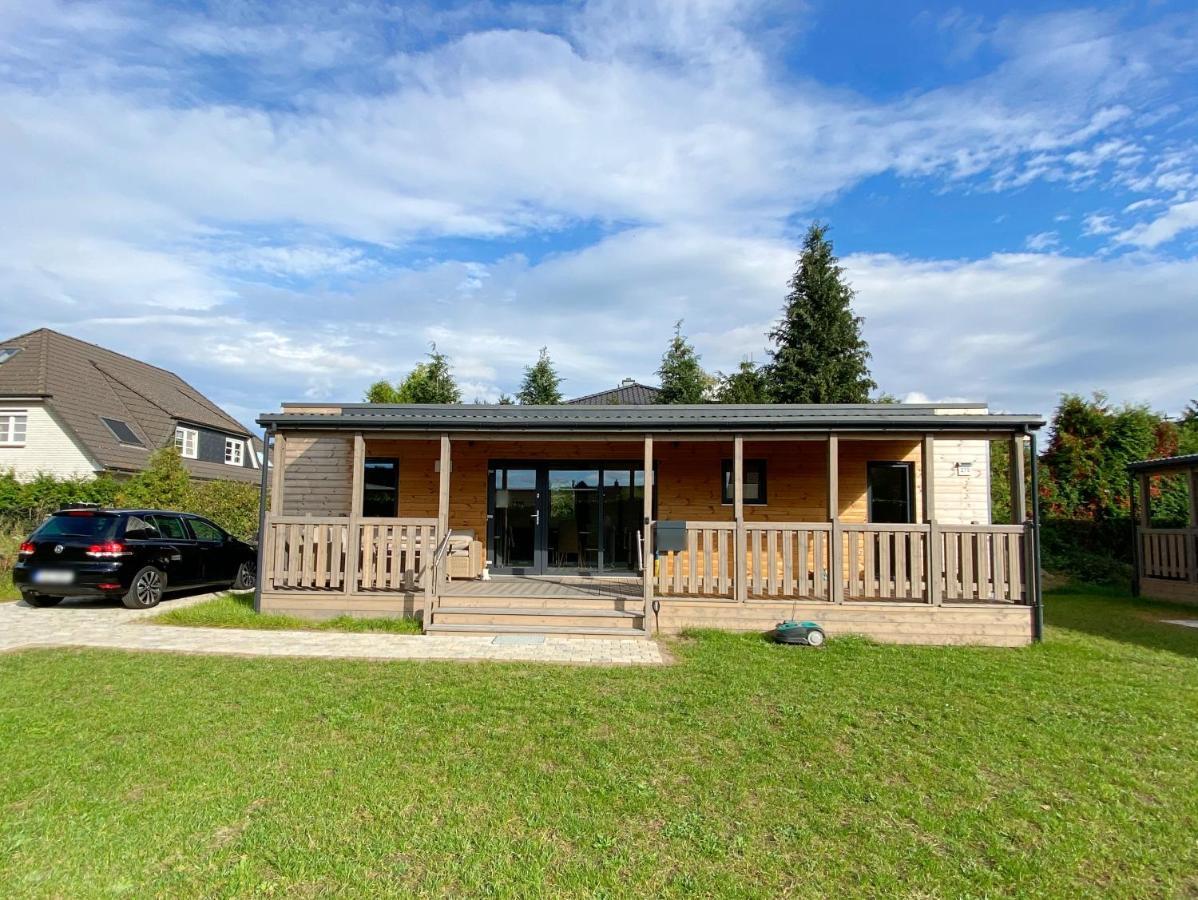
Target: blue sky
288, 201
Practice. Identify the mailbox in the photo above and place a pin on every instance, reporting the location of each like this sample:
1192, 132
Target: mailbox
671, 537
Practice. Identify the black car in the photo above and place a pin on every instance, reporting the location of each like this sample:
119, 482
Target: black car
133, 554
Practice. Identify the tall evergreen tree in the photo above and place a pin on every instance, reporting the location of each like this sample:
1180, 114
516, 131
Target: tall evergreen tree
819, 355
428, 382
682, 377
745, 385
541, 382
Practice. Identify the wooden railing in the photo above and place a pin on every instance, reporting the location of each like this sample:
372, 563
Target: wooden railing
395, 553
1169, 553
705, 568
305, 553
982, 562
788, 559
884, 562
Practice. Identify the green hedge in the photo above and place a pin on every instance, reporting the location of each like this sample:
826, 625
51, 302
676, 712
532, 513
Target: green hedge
1095, 551
165, 484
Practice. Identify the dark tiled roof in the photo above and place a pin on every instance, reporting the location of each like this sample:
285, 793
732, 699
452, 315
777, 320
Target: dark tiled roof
1168, 462
658, 417
82, 383
627, 394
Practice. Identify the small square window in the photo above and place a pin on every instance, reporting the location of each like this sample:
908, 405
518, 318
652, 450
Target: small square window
754, 482
187, 442
13, 425
234, 452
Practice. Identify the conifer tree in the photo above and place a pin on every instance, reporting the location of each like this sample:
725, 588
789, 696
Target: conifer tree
541, 382
682, 377
819, 355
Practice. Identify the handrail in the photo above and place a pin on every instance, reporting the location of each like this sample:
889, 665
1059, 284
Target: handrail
432, 591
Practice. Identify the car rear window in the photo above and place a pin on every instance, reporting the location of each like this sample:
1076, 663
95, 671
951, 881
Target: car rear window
85, 526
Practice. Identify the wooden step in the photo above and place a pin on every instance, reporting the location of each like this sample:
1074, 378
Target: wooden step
565, 601
554, 630
504, 615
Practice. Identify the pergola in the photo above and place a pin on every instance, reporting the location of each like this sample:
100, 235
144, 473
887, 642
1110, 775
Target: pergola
1166, 559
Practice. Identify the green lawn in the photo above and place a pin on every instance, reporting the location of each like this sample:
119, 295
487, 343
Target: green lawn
236, 610
746, 769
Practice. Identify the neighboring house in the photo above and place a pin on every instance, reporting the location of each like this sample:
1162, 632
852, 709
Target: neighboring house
619, 520
629, 393
1166, 557
70, 408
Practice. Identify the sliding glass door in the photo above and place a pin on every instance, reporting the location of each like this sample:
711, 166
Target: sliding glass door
564, 518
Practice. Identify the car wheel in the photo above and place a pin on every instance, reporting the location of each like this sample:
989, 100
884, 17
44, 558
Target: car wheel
245, 577
145, 591
41, 601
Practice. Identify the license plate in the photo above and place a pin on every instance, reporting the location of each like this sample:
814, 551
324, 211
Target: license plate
53, 576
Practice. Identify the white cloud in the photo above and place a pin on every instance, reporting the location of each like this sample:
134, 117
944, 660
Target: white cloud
138, 189
1098, 224
1179, 218
1044, 240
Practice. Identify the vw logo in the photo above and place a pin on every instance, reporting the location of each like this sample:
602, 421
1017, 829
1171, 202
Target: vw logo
58, 548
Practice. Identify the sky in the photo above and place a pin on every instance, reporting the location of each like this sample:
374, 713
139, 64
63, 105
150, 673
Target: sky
287, 201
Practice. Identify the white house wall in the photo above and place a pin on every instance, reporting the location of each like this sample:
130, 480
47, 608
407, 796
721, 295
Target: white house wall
962, 472
48, 448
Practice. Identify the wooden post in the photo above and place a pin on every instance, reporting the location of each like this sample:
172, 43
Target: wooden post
927, 474
1145, 500
446, 469
738, 513
647, 533
1018, 485
935, 564
353, 549
278, 456
932, 558
1192, 540
835, 551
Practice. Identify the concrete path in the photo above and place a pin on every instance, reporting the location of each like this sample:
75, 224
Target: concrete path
82, 623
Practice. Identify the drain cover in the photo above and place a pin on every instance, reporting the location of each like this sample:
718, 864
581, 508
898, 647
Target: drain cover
518, 640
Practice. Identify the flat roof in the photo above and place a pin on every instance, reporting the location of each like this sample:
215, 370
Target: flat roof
1189, 461
652, 417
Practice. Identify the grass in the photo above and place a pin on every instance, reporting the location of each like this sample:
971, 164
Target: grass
746, 769
236, 610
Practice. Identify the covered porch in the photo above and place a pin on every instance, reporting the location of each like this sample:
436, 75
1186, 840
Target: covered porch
587, 531
1166, 552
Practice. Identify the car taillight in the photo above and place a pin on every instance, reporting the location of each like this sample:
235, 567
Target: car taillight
27, 549
107, 550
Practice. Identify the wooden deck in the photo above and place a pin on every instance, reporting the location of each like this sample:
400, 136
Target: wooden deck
530, 586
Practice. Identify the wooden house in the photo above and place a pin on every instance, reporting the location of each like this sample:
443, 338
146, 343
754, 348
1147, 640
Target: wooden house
629, 520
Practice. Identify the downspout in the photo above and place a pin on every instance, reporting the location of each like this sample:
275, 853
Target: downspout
267, 434
1037, 592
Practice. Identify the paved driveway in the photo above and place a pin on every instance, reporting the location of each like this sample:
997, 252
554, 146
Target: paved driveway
78, 623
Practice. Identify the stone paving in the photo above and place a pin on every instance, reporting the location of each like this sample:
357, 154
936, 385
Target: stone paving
83, 623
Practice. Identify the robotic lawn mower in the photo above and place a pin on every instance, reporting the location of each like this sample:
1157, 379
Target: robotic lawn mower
806, 634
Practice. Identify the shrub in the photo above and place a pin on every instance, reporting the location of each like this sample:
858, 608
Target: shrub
233, 505
1098, 552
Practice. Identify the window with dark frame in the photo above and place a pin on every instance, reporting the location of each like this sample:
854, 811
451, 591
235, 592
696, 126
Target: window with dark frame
380, 488
122, 432
754, 482
891, 492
